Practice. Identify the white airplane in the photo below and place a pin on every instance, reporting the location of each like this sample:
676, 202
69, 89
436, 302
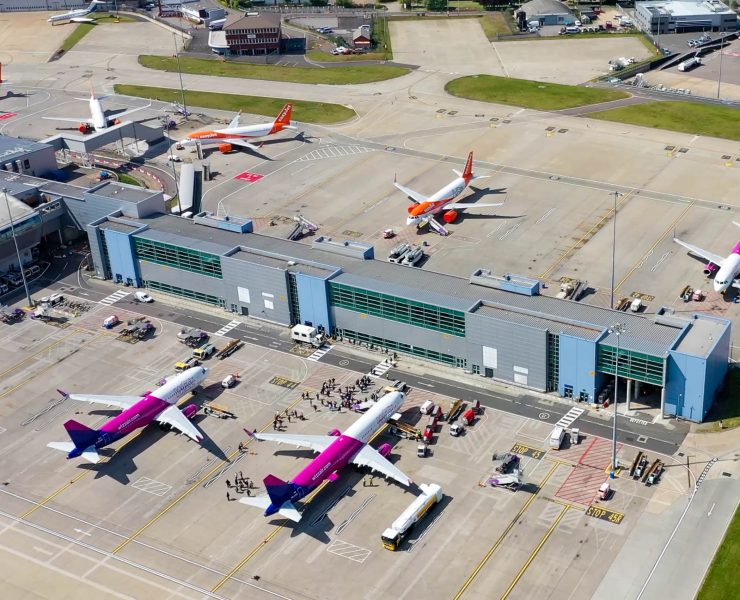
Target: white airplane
98, 119
726, 270
77, 16
236, 135
425, 207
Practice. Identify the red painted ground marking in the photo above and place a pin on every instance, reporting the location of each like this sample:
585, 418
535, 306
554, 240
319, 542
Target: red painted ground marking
5, 116
249, 177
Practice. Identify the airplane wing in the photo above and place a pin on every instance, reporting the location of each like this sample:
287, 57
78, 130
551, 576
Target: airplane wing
370, 457
173, 416
317, 443
235, 120
711, 257
242, 143
415, 196
81, 20
460, 206
122, 402
434, 224
69, 119
117, 115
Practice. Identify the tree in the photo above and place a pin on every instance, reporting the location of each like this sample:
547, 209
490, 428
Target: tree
318, 2
437, 5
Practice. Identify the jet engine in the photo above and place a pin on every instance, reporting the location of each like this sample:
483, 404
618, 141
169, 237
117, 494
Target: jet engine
190, 411
84, 128
450, 216
385, 450
710, 269
225, 148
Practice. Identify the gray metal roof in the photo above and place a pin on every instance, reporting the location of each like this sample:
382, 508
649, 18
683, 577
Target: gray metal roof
701, 336
544, 322
12, 148
122, 191
642, 334
118, 226
545, 7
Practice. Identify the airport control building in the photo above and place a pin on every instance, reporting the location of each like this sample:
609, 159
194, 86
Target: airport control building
489, 326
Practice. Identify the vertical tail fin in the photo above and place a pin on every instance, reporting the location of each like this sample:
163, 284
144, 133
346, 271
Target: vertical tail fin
468, 171
279, 491
283, 119
82, 436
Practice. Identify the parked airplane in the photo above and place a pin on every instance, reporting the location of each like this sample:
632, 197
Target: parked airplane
99, 120
337, 450
138, 411
236, 135
726, 271
77, 16
424, 208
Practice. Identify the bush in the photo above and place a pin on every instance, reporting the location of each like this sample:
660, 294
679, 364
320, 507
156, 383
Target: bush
437, 5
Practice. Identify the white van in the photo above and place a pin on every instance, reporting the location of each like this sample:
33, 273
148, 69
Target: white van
427, 408
636, 305
556, 437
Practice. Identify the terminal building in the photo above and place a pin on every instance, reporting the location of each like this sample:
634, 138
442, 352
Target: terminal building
679, 16
489, 326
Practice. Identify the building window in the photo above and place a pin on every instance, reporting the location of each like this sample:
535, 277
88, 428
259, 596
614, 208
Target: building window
398, 309
447, 359
295, 308
182, 292
476, 369
178, 257
553, 362
635, 365
105, 255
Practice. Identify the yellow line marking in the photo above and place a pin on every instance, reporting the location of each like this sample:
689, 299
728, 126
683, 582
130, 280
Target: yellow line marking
655, 245
534, 554
278, 528
187, 492
585, 237
501, 538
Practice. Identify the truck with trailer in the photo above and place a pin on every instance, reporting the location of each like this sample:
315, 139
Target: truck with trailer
455, 409
229, 349
396, 255
431, 494
689, 63
468, 417
204, 351
307, 334
192, 336
413, 256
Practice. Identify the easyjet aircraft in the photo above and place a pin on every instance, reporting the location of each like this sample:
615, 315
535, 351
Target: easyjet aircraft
236, 135
424, 209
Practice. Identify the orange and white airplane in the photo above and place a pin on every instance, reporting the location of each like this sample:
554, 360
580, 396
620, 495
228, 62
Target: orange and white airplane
236, 135
424, 209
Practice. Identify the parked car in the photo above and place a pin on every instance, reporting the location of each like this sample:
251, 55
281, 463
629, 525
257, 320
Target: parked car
143, 297
53, 299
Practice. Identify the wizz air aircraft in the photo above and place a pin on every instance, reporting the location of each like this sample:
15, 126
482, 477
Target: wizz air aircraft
77, 16
138, 411
99, 119
336, 451
424, 209
726, 271
237, 135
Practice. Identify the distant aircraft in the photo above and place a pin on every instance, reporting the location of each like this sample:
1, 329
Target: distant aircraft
77, 16
726, 271
337, 450
138, 411
236, 135
424, 209
99, 120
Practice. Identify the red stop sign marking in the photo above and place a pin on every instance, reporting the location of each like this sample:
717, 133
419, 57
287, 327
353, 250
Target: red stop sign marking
249, 177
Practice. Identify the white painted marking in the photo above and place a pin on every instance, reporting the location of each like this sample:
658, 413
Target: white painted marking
114, 297
145, 484
380, 369
82, 532
709, 514
570, 416
228, 327
319, 353
355, 553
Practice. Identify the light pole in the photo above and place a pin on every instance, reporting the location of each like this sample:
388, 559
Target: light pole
179, 72
617, 329
614, 245
17, 250
719, 77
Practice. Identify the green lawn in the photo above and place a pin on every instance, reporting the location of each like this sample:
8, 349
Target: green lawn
721, 578
687, 117
494, 25
304, 111
381, 36
529, 94
123, 178
726, 407
221, 68
79, 32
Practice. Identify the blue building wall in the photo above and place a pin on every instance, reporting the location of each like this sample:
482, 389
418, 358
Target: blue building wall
718, 363
685, 386
578, 367
121, 255
313, 299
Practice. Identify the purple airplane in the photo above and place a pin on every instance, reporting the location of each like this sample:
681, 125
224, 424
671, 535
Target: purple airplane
336, 451
138, 411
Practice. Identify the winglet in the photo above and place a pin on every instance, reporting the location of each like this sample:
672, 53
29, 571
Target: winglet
736, 223
63, 393
250, 433
468, 171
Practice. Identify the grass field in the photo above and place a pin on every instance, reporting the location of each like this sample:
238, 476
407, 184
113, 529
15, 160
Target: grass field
721, 578
529, 94
77, 34
494, 25
307, 112
123, 178
686, 117
726, 407
336, 76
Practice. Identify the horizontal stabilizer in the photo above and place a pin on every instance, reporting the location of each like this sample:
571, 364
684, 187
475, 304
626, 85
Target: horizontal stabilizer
290, 512
91, 455
63, 446
259, 501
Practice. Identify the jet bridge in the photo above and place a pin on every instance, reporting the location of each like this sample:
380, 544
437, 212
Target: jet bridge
112, 135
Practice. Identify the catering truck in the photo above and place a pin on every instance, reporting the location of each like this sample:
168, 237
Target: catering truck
395, 534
